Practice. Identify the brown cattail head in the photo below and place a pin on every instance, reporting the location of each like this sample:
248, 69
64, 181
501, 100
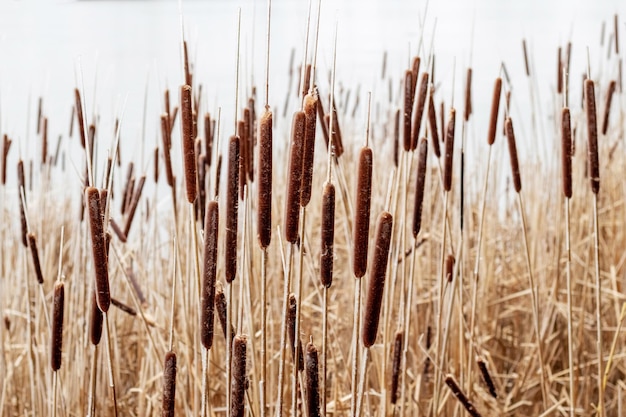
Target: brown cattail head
566, 152
607, 106
449, 268
308, 149
95, 321
322, 116
92, 201
432, 123
232, 208
165, 134
169, 385
57, 325
294, 181
422, 158
327, 235
336, 133
189, 153
419, 110
239, 382
21, 187
156, 165
134, 202
244, 145
291, 327
396, 137
222, 307
395, 366
495, 106
409, 91
6, 145
264, 186
208, 138
211, 222
362, 214
447, 166
592, 131
465, 402
468, 95
415, 67
487, 377
79, 116
44, 141
312, 381
510, 135
559, 71
32, 244
377, 278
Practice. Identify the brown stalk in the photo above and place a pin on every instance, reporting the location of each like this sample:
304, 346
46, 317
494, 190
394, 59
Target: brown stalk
415, 68
243, 157
156, 165
21, 186
526, 65
44, 141
124, 307
208, 138
117, 230
559, 72
92, 201
396, 137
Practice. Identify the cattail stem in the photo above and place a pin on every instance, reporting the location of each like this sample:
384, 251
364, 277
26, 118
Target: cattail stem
598, 285
283, 335
355, 344
109, 348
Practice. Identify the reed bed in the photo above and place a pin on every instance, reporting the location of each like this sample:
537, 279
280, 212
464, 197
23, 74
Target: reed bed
388, 280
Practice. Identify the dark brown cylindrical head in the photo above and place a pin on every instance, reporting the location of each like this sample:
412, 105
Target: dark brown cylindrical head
232, 210
559, 71
57, 325
322, 116
239, 383
420, 183
592, 132
468, 95
415, 67
165, 135
291, 329
449, 268
377, 279
487, 378
510, 135
362, 213
222, 307
419, 110
566, 152
243, 157
169, 385
21, 187
32, 244
92, 201
95, 321
312, 381
6, 145
294, 180
335, 132
264, 186
308, 149
208, 138
79, 116
447, 165
495, 106
327, 255
189, 153
409, 91
432, 123
461, 397
396, 138
395, 366
211, 223
607, 106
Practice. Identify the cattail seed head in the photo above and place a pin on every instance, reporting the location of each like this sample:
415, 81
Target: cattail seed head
409, 91
291, 327
422, 158
21, 185
566, 152
79, 116
312, 381
92, 201
449, 268
448, 166
592, 131
607, 106
221, 307
465, 402
232, 208
395, 366
243, 157
264, 186
468, 95
239, 382
169, 385
327, 235
189, 153
208, 138
495, 106
165, 134
487, 377
95, 321
419, 110
432, 123
510, 135
362, 214
377, 279
294, 181
308, 149
57, 325
32, 244
211, 223
396, 137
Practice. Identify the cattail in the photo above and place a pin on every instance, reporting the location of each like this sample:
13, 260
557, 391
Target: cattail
465, 402
327, 235
128, 189
450, 267
487, 377
239, 382
32, 244
308, 148
607, 106
57, 326
312, 381
468, 95
208, 273
447, 167
395, 366
592, 131
307, 80
526, 65
336, 133
21, 187
221, 307
6, 145
44, 141
264, 185
422, 158
432, 123
201, 200
616, 26
218, 174
322, 116
428, 343
419, 110
95, 321
133, 204
415, 67
189, 156
377, 279
396, 137
510, 135
165, 133
294, 182
92, 201
117, 230
291, 327
559, 72
39, 114
232, 207
156, 165
166, 100
243, 157
169, 385
124, 307
442, 116
208, 138
566, 152
362, 215
79, 116
495, 105
409, 91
